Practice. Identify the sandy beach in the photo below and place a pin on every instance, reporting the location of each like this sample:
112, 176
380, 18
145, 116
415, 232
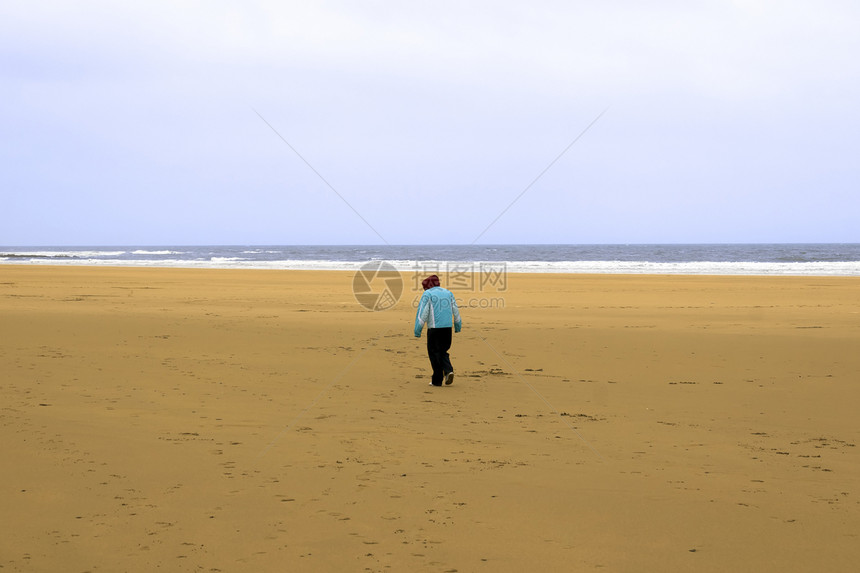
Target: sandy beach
220, 420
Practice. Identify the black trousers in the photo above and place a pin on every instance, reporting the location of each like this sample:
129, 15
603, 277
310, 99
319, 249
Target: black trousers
438, 344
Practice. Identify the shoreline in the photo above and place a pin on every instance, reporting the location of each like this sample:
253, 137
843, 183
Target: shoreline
796, 259
404, 270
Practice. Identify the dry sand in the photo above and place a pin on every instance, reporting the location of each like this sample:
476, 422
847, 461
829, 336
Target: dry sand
214, 420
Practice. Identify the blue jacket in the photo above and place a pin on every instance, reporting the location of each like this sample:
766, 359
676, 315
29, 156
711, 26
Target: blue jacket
437, 309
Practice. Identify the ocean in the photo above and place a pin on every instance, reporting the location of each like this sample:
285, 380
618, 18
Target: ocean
832, 259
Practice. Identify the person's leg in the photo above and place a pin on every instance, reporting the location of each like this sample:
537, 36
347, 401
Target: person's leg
433, 353
444, 338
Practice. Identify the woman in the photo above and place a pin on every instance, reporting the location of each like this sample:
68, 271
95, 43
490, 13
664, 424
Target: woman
438, 310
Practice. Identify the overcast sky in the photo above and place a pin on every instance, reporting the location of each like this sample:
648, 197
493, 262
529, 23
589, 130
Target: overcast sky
136, 123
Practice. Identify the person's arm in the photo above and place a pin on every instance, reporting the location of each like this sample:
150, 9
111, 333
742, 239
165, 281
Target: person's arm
458, 322
422, 314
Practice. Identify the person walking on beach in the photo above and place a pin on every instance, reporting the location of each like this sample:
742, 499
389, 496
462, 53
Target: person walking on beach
438, 310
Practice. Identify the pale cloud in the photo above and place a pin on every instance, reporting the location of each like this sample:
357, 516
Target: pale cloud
752, 101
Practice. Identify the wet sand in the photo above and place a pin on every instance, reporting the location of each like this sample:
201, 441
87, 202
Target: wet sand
215, 420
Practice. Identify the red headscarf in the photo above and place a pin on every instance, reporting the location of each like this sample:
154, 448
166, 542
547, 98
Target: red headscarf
431, 281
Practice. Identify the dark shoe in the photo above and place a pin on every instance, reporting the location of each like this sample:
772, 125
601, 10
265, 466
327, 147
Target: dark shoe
449, 378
